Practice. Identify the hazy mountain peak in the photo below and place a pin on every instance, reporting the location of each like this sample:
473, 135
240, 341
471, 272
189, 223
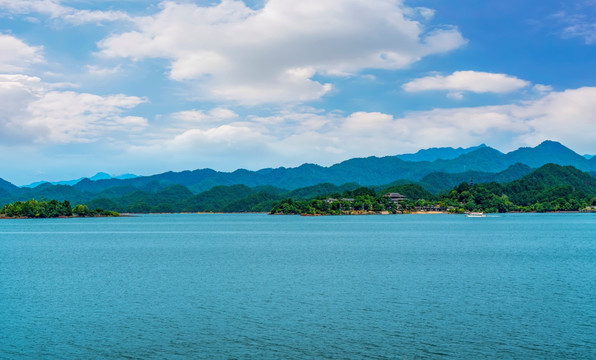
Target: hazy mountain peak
547, 145
101, 176
438, 153
550, 144
547, 152
485, 150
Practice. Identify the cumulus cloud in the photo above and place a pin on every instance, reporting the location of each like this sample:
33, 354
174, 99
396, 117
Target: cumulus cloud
55, 10
468, 81
15, 55
34, 112
566, 116
273, 54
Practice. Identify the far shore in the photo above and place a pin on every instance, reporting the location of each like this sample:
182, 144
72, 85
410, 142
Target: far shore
305, 215
62, 217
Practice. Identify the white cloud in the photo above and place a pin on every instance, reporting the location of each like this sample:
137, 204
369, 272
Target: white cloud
34, 112
540, 88
472, 81
423, 12
292, 138
55, 10
98, 71
577, 20
566, 116
580, 29
234, 136
15, 55
200, 116
272, 54
456, 95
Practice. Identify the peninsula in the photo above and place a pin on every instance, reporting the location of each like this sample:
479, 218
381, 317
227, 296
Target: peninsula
32, 209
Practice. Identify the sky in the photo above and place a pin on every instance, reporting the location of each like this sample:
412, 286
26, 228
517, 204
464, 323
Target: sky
145, 87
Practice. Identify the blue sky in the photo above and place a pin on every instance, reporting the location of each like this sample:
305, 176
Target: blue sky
147, 86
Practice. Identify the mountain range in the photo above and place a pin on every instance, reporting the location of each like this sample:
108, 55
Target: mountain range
479, 164
98, 176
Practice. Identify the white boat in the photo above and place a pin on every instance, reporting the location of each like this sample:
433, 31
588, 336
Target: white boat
476, 214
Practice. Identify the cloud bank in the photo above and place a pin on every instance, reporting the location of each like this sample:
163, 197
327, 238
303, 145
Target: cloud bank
294, 137
55, 10
274, 54
34, 112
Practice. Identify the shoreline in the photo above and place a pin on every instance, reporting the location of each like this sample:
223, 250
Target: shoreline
62, 217
126, 215
443, 213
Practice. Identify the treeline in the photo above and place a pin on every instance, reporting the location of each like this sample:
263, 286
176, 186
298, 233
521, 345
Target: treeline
50, 209
488, 198
360, 201
234, 198
493, 197
551, 188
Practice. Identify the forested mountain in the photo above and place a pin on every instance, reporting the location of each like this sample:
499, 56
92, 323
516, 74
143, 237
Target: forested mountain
8, 187
437, 181
549, 152
368, 171
551, 187
189, 190
551, 181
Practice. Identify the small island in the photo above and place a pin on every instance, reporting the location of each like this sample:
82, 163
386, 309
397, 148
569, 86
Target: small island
32, 209
542, 191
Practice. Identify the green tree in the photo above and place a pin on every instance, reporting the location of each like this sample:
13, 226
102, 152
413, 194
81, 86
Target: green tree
81, 210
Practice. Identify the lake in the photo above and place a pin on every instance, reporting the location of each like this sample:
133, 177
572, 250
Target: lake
232, 286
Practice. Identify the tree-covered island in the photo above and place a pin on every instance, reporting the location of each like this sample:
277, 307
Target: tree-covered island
552, 188
51, 209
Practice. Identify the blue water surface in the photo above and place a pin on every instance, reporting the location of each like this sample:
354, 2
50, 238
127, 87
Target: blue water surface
214, 286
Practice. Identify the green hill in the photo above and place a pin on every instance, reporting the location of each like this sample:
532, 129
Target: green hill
550, 183
438, 181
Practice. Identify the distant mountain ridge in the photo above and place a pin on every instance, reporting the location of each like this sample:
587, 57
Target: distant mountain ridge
482, 164
98, 176
551, 187
442, 153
